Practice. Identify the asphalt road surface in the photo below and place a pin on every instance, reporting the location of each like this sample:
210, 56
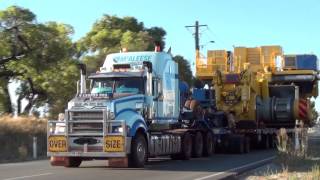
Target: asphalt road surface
215, 167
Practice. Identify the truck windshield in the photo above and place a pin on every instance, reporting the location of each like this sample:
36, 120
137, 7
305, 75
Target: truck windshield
118, 85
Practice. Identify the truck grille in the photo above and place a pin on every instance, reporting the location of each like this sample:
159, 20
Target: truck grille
86, 123
78, 116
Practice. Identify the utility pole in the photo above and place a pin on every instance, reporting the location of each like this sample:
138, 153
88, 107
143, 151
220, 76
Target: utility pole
196, 38
196, 34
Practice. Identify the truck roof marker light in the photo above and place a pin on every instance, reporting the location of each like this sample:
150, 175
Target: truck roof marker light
157, 49
124, 50
157, 46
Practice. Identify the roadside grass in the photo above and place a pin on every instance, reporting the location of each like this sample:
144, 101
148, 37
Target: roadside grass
16, 137
291, 163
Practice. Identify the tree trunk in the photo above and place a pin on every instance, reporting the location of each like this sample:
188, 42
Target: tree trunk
28, 107
19, 104
7, 105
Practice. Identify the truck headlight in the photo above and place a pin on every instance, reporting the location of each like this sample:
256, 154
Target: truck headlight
70, 104
60, 128
120, 129
61, 117
61, 125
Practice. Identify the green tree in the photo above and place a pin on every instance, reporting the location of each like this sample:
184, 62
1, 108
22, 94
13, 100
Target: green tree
185, 73
40, 57
110, 34
13, 46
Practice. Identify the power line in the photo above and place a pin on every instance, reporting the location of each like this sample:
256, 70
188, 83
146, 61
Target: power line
217, 37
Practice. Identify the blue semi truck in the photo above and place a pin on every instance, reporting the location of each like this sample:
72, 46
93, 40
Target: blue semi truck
130, 112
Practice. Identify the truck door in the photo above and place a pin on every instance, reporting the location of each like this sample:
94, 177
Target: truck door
157, 98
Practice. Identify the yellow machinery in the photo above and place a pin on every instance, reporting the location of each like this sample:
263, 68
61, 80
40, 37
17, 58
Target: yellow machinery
260, 86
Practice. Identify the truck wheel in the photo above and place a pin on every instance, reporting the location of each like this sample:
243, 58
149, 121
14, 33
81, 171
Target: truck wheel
138, 155
72, 161
197, 146
186, 148
208, 144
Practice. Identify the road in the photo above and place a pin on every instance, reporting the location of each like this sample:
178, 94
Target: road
215, 167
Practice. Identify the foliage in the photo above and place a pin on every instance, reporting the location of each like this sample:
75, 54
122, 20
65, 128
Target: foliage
185, 73
110, 34
39, 55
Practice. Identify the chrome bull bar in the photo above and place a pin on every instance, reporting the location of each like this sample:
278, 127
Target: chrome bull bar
74, 135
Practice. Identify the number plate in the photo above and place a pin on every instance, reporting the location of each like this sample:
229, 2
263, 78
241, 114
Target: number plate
57, 144
113, 143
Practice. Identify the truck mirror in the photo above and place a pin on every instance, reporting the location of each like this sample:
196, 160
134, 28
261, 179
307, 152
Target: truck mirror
148, 65
158, 97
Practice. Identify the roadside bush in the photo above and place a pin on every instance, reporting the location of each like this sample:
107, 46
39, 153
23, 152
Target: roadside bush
16, 137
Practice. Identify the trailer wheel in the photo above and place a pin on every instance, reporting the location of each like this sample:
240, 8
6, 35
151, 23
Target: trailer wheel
247, 145
208, 144
265, 142
197, 146
72, 161
138, 155
272, 142
237, 144
241, 145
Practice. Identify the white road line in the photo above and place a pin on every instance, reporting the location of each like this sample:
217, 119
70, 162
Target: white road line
23, 163
234, 169
24, 177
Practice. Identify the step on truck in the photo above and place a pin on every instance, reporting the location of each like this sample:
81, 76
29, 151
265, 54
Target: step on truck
131, 111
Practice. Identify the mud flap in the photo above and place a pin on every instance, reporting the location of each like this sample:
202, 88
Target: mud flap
118, 162
56, 161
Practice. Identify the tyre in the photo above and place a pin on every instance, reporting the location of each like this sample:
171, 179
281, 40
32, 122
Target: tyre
265, 142
208, 144
241, 144
197, 145
72, 161
186, 148
237, 144
138, 155
272, 142
247, 145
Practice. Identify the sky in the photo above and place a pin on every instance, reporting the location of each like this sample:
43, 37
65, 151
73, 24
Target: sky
293, 24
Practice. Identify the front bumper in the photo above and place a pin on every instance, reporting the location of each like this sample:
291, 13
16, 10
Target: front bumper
94, 154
